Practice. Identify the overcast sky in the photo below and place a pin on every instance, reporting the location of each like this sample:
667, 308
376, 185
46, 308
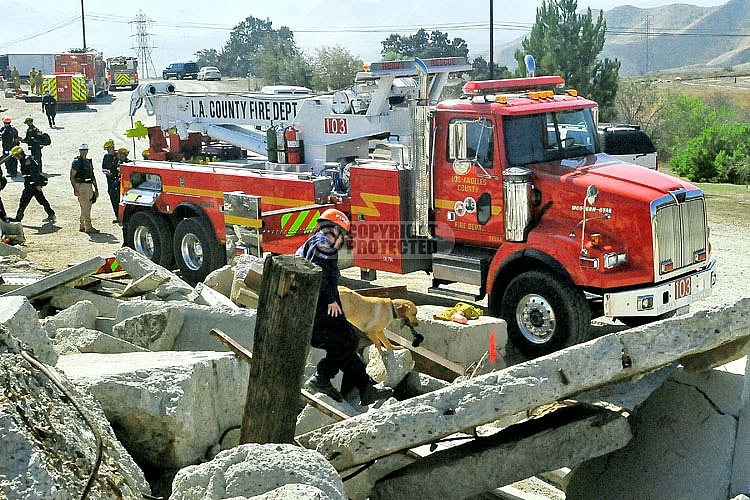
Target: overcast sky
177, 29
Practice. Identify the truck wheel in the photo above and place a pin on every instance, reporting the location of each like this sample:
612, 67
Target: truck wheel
148, 234
544, 314
196, 250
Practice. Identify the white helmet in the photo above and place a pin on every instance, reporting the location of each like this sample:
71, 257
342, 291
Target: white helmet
83, 146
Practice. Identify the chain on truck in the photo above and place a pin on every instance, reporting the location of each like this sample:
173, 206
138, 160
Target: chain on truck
503, 189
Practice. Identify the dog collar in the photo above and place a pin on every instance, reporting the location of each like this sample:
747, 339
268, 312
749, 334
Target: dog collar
393, 309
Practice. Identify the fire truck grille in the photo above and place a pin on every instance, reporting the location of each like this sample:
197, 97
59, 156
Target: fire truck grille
681, 235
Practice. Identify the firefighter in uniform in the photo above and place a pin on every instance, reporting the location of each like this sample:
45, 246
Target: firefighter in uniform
33, 184
83, 180
331, 331
111, 171
31, 139
9, 136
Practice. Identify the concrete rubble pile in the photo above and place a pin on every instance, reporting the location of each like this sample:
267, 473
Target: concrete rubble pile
144, 365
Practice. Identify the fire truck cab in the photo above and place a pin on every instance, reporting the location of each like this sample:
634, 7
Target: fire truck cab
503, 189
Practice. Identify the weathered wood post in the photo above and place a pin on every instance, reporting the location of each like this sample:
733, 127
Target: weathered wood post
286, 308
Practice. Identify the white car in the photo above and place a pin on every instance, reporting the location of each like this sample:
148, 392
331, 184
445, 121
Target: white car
209, 73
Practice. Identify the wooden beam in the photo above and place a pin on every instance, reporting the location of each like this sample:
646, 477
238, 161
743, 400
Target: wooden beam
428, 362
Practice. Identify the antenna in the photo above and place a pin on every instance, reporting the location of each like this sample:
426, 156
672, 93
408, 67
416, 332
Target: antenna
144, 46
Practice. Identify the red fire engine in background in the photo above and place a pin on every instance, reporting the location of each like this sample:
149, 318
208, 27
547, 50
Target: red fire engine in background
90, 63
122, 72
503, 189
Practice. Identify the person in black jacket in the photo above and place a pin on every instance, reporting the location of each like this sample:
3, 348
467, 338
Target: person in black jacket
83, 180
49, 106
111, 171
331, 331
33, 184
31, 139
9, 135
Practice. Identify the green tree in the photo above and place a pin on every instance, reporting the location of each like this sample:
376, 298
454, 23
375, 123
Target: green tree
207, 57
480, 70
718, 154
255, 48
423, 45
334, 68
567, 44
684, 118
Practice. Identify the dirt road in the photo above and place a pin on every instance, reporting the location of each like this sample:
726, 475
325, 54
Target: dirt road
58, 245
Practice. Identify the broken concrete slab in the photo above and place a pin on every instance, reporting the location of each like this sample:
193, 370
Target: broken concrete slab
577, 433
57, 279
620, 356
82, 314
221, 280
391, 367
152, 330
170, 408
47, 448
138, 266
80, 340
63, 297
195, 334
6, 249
22, 321
462, 344
683, 445
214, 298
256, 469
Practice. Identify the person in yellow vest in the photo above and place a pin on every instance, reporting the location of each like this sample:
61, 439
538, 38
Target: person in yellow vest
16, 77
32, 81
38, 83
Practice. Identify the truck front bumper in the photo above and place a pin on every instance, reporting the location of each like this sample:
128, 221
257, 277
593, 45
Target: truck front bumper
662, 298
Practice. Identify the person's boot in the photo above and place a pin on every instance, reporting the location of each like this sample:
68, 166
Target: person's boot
369, 393
317, 383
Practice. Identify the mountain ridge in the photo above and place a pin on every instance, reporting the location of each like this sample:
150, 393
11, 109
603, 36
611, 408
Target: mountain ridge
676, 38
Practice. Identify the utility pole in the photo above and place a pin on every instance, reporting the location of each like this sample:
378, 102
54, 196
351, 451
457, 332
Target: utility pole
83, 26
492, 41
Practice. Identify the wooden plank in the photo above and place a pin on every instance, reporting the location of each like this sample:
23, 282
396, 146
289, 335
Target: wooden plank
427, 361
391, 292
232, 345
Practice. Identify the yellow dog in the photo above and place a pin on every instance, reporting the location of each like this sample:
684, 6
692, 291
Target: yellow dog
372, 315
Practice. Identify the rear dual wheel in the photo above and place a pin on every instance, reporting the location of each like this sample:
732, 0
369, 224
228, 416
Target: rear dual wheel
148, 234
196, 250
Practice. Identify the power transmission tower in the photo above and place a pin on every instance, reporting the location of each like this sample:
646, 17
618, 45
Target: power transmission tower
143, 47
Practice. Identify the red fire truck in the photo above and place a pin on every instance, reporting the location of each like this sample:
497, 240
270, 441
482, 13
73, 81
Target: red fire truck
89, 63
503, 189
122, 71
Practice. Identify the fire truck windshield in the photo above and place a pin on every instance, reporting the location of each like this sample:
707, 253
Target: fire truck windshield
549, 136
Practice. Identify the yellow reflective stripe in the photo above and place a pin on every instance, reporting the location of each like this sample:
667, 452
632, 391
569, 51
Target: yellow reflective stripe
49, 85
207, 193
243, 221
371, 199
123, 79
78, 87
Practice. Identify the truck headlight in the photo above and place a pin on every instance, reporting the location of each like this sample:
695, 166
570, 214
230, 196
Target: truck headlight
614, 259
645, 302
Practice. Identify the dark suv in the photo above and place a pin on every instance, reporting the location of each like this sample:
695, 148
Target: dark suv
180, 71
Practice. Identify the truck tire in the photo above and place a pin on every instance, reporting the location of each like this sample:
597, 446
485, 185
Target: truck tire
196, 250
544, 314
148, 234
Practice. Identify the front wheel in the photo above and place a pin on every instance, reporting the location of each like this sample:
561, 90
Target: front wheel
544, 314
196, 250
148, 234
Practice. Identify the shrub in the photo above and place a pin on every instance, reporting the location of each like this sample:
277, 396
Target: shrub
718, 154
